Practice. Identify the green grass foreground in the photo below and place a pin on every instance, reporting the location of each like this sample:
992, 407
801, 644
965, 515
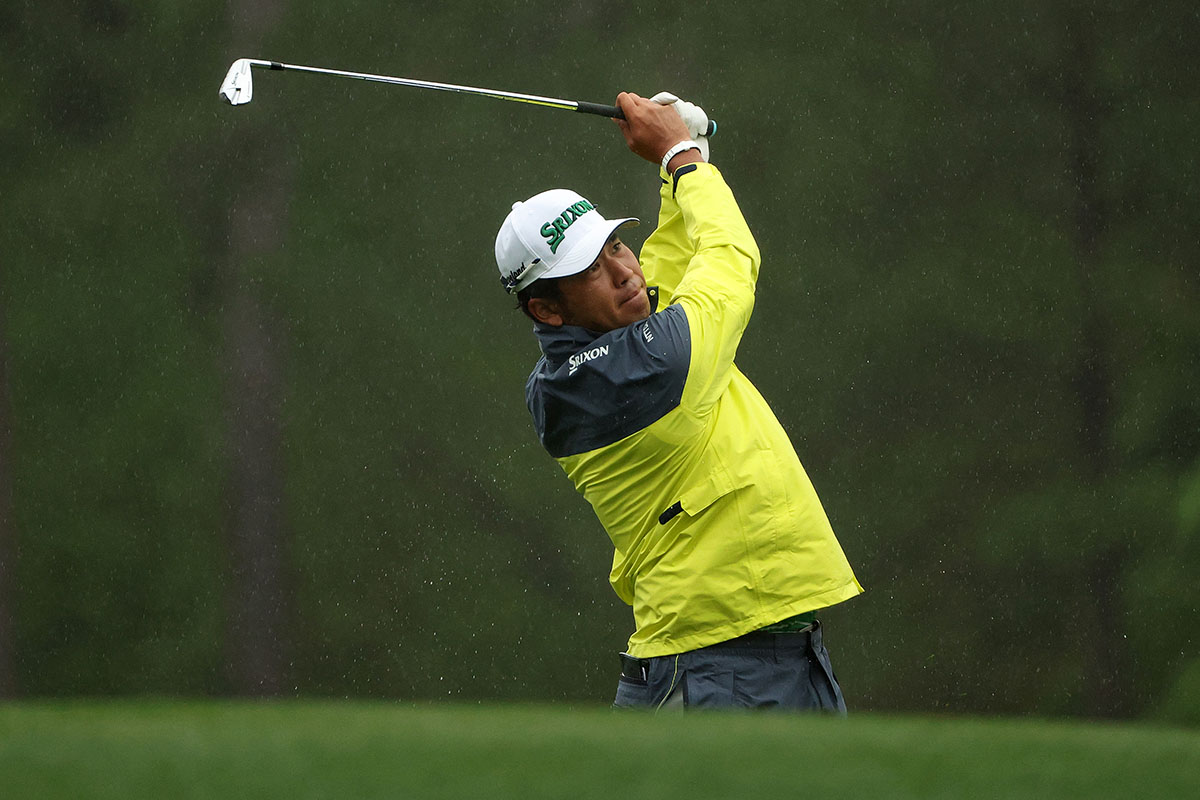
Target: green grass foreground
358, 750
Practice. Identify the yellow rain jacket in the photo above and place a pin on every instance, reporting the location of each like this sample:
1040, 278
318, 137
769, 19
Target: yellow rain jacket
716, 527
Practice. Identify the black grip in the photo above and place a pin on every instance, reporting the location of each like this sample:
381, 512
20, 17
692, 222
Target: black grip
616, 113
599, 109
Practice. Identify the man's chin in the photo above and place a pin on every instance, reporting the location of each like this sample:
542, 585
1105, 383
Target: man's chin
636, 308
632, 314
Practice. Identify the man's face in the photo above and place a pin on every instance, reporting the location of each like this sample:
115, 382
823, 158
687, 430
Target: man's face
609, 294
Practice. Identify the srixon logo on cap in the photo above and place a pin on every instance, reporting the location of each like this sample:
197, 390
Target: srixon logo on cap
556, 229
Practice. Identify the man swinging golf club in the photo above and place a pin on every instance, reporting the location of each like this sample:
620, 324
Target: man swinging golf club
721, 544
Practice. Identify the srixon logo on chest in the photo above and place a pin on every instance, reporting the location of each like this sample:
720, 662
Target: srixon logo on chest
579, 359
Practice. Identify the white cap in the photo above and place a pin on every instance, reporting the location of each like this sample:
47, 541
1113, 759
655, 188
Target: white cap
551, 235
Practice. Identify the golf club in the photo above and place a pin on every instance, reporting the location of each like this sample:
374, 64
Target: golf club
238, 89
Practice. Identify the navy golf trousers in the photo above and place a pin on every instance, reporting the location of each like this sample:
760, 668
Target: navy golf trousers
758, 670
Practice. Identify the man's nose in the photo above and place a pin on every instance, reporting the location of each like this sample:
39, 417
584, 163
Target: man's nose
620, 271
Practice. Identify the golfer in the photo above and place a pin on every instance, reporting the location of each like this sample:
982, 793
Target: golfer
721, 544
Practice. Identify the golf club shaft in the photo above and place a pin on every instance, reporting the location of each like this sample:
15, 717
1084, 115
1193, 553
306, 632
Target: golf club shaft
549, 102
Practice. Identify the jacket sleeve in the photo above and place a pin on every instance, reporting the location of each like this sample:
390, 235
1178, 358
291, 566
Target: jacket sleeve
716, 288
667, 251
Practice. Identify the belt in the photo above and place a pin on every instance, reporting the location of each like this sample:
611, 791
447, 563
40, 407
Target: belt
801, 623
637, 669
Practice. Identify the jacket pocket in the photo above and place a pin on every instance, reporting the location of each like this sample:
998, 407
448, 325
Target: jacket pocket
703, 494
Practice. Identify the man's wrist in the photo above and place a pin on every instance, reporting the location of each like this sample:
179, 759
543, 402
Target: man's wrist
684, 158
685, 152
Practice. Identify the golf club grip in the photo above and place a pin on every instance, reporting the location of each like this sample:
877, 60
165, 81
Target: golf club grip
599, 109
614, 112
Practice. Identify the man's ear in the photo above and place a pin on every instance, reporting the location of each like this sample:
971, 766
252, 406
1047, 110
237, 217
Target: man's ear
546, 311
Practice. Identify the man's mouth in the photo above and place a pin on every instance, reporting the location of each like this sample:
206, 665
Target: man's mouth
634, 296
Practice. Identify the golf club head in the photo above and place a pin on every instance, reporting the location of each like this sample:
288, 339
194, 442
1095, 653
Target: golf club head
238, 88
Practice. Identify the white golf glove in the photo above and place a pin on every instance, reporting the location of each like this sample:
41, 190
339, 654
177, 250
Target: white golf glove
693, 117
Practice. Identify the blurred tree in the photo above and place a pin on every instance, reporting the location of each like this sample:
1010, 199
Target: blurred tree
1086, 114
255, 222
9, 38
8, 533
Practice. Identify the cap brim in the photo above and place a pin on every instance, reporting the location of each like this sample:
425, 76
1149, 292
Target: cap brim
588, 249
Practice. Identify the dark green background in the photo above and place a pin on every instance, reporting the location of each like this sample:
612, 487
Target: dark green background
281, 323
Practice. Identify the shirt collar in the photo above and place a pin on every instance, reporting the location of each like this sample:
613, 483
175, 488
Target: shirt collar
561, 342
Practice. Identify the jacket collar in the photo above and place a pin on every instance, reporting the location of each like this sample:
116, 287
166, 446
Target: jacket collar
560, 343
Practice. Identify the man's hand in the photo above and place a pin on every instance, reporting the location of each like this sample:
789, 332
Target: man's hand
693, 117
651, 130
